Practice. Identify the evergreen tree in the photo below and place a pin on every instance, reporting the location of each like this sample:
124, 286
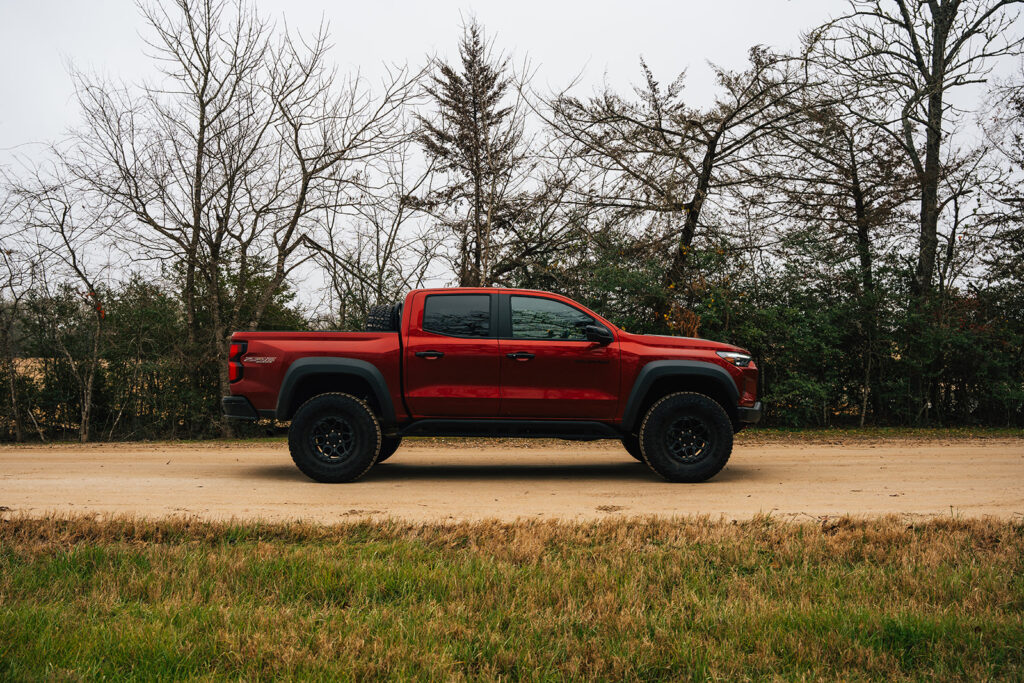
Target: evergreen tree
474, 139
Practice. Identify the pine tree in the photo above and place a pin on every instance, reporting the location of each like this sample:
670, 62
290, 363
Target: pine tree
474, 140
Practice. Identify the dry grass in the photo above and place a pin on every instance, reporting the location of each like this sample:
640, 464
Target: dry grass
856, 435
748, 437
622, 599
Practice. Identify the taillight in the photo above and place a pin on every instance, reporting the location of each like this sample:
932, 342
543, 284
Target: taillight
235, 361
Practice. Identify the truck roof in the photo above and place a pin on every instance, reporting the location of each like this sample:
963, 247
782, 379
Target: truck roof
486, 290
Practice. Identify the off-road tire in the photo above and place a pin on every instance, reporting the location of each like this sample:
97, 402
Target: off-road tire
686, 437
631, 442
388, 446
334, 438
383, 318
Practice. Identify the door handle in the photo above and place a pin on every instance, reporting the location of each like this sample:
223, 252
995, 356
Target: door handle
429, 354
519, 355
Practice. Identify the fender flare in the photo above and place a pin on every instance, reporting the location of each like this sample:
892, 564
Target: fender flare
659, 369
328, 365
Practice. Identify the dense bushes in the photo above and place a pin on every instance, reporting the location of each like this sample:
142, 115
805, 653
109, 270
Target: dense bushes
828, 352
809, 337
149, 382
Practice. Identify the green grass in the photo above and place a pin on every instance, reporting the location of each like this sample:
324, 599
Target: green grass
651, 600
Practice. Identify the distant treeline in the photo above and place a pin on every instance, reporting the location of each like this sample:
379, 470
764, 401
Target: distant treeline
830, 210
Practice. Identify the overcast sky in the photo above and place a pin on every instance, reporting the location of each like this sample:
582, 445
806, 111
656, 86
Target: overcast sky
38, 38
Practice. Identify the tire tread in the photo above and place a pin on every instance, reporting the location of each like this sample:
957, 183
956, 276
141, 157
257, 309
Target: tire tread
373, 420
651, 411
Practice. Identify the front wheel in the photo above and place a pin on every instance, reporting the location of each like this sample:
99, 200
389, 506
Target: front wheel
686, 437
334, 438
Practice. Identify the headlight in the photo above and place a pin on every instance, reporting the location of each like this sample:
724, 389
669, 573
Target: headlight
738, 359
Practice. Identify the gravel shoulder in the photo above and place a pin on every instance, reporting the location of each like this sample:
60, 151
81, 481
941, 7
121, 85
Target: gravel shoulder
438, 481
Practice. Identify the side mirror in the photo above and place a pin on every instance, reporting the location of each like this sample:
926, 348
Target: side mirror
597, 333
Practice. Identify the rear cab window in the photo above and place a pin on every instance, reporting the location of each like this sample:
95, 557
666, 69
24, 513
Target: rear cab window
458, 315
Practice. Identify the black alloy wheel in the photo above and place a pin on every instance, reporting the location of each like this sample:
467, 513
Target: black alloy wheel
686, 437
334, 438
689, 440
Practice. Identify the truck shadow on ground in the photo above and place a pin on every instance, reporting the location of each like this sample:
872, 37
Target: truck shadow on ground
533, 472
626, 471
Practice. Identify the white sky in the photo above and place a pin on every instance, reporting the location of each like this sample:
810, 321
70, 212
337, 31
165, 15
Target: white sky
38, 38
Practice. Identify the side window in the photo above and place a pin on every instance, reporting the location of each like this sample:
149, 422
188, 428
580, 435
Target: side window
458, 315
536, 318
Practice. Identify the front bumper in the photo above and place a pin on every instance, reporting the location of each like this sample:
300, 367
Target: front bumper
751, 415
239, 408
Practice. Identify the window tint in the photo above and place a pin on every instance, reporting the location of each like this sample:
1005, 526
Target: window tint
458, 315
534, 318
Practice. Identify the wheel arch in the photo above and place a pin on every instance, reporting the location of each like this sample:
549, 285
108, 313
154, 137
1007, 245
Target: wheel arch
309, 377
659, 378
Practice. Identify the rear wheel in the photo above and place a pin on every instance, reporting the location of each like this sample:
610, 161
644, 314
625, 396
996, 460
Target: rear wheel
631, 442
388, 446
686, 437
334, 438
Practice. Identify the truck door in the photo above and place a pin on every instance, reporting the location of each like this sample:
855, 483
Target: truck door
548, 368
451, 356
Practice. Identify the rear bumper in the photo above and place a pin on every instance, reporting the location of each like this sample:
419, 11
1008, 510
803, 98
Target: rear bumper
749, 415
238, 408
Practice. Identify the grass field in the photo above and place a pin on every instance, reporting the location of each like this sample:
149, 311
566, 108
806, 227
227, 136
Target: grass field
689, 599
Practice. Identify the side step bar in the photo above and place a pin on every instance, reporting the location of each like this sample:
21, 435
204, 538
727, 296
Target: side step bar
574, 430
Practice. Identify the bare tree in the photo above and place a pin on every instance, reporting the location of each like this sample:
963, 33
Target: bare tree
371, 249
836, 185
914, 55
231, 157
657, 155
60, 224
1004, 129
547, 219
16, 274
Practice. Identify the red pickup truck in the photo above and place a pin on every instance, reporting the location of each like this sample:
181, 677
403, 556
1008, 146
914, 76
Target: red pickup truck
493, 362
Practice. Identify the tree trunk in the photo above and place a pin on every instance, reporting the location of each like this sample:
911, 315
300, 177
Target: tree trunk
266, 296
677, 270
88, 384
226, 430
929, 240
221, 351
921, 284
12, 382
868, 310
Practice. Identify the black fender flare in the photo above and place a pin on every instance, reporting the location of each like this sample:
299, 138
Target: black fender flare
328, 365
659, 369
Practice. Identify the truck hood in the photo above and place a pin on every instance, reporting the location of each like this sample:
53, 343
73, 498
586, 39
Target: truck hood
667, 342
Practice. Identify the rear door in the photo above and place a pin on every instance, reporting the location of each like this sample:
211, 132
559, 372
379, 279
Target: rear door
451, 356
548, 368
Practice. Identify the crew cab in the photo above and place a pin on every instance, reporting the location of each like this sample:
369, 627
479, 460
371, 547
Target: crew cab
493, 362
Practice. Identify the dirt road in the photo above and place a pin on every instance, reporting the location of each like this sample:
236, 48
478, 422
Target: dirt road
429, 482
